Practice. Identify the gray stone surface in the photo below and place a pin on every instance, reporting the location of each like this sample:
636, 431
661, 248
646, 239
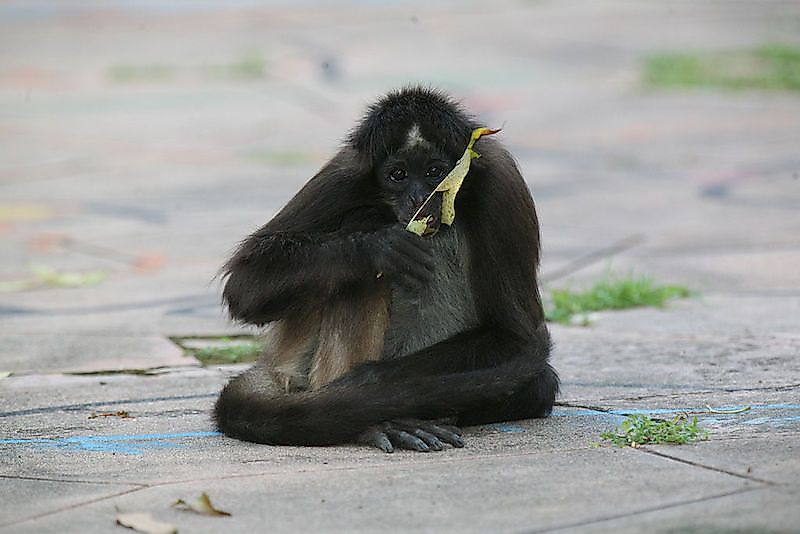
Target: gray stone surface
23, 498
70, 353
521, 490
143, 140
764, 510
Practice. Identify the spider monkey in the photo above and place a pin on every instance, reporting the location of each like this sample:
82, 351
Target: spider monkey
377, 335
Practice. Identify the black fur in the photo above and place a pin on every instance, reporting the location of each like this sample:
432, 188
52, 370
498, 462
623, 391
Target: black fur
384, 126
324, 242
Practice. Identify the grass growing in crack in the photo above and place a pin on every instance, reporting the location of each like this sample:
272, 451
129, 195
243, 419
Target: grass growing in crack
769, 67
221, 350
234, 353
641, 430
565, 305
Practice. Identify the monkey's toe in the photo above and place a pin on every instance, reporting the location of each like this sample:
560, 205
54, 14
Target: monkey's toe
375, 437
441, 432
404, 440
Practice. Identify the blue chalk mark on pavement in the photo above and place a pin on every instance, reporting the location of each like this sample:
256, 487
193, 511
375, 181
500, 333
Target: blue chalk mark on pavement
755, 415
130, 444
773, 415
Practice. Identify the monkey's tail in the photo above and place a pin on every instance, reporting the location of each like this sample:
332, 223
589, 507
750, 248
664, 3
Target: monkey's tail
339, 413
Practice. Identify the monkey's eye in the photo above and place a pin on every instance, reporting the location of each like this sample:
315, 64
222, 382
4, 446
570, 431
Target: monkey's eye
397, 175
434, 171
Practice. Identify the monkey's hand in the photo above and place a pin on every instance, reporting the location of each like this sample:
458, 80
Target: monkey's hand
404, 258
412, 434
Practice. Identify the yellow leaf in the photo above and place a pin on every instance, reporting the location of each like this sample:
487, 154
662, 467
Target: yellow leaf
201, 505
450, 185
418, 226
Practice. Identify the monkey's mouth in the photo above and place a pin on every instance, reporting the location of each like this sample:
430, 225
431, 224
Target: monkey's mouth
430, 212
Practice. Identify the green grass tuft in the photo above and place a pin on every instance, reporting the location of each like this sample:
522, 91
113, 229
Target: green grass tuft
609, 294
221, 350
769, 67
238, 352
641, 430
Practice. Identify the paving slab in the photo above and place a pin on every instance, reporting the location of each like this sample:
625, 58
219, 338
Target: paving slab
461, 495
763, 316
651, 363
765, 457
23, 499
764, 510
81, 354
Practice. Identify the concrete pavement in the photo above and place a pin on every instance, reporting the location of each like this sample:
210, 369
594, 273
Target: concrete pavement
142, 140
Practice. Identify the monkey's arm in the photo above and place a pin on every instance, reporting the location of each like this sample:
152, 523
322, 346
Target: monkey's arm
273, 273
276, 273
330, 234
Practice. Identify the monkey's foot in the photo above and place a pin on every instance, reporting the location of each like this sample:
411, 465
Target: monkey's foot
412, 434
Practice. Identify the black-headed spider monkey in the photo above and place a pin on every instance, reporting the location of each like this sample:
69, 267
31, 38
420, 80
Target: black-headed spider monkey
377, 334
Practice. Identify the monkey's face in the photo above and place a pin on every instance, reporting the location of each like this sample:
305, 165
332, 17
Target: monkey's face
408, 177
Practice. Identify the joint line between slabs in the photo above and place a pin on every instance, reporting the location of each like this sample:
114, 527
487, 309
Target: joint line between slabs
646, 510
707, 467
72, 507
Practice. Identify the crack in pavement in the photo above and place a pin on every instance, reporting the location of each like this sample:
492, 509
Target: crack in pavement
593, 257
84, 405
72, 506
707, 467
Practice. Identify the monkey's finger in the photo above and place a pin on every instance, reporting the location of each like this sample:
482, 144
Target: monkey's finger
383, 442
376, 438
414, 247
447, 433
404, 440
432, 441
420, 429
450, 428
414, 242
403, 261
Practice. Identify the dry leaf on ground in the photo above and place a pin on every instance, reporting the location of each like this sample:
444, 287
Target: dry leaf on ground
144, 522
201, 505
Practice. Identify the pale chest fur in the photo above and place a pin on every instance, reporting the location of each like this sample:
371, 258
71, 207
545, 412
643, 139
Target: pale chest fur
440, 310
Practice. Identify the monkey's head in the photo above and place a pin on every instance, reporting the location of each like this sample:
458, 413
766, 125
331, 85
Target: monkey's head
411, 139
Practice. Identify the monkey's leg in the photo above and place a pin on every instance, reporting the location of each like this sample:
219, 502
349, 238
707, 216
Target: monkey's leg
458, 377
532, 400
288, 345
351, 332
531, 383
